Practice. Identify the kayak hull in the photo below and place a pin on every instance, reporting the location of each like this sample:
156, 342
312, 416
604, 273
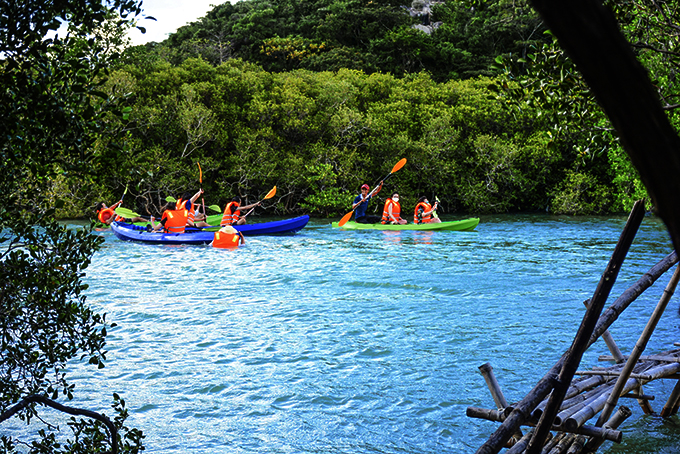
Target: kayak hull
464, 225
129, 232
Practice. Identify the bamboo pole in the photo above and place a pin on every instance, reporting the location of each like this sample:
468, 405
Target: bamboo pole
553, 442
671, 406
598, 404
567, 412
587, 328
644, 403
497, 393
522, 410
562, 445
521, 445
639, 347
591, 431
663, 358
577, 445
494, 387
609, 341
614, 422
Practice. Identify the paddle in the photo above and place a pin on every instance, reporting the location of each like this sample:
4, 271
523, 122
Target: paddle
126, 213
215, 208
396, 167
434, 212
269, 195
200, 181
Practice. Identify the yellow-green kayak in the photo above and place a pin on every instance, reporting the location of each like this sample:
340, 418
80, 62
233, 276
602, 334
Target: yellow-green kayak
463, 225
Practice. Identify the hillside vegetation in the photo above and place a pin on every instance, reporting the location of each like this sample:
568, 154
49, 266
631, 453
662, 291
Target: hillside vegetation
320, 97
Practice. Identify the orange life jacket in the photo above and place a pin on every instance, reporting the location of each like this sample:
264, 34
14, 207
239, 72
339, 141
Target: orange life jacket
396, 211
105, 214
181, 205
425, 218
227, 240
175, 220
229, 218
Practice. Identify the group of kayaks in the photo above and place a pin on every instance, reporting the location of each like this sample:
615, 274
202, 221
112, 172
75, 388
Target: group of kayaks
140, 233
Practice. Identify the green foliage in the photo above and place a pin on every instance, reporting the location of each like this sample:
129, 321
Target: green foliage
581, 193
53, 111
368, 35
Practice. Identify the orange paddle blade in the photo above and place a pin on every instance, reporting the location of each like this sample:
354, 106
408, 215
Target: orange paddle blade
271, 193
200, 172
398, 165
345, 218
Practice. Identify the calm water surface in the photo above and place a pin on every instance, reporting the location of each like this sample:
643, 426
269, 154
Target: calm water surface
359, 342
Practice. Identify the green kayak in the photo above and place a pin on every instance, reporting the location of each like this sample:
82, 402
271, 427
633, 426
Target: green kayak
463, 225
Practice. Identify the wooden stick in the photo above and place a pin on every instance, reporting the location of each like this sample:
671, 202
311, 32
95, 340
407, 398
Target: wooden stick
591, 431
609, 341
522, 410
554, 441
563, 444
614, 422
521, 445
663, 358
577, 445
598, 404
494, 387
587, 328
639, 348
671, 406
613, 374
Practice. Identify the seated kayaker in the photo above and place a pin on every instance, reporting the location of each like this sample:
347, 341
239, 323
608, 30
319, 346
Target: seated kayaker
106, 215
360, 205
423, 212
228, 237
188, 202
232, 212
172, 221
392, 211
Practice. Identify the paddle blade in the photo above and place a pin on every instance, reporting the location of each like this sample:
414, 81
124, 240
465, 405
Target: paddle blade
215, 208
398, 165
170, 199
126, 213
200, 173
271, 193
345, 218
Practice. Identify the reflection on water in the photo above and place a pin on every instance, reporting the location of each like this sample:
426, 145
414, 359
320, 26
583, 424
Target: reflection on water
357, 342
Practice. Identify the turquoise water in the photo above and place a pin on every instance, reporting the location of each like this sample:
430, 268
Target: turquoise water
359, 342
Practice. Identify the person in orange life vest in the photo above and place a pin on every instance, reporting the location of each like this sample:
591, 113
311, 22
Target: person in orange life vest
172, 221
228, 237
188, 202
106, 215
232, 212
360, 205
392, 211
423, 212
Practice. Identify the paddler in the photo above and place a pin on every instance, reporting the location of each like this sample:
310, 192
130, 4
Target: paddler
232, 212
423, 214
188, 202
173, 220
360, 205
106, 215
392, 211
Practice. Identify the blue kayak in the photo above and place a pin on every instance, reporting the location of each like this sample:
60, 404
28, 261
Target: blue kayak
129, 232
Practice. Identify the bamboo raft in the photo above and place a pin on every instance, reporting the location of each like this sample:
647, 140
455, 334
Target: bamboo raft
558, 409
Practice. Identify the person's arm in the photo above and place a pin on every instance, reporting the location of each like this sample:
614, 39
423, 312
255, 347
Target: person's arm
196, 196
116, 205
247, 207
377, 190
361, 200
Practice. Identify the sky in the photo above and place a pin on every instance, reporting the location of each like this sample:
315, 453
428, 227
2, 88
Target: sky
170, 15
